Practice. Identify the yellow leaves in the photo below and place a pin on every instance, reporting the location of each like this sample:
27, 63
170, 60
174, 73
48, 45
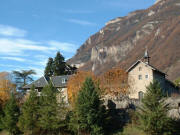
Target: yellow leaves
5, 87
113, 82
75, 82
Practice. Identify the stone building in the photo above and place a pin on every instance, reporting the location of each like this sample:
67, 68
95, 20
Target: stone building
141, 73
59, 82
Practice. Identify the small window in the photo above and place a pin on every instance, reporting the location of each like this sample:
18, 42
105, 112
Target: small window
140, 68
140, 77
141, 95
63, 80
146, 76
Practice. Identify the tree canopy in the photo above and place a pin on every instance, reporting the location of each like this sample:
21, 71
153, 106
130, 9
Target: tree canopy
29, 113
153, 113
114, 82
23, 77
51, 112
10, 116
49, 71
6, 87
58, 66
88, 110
76, 82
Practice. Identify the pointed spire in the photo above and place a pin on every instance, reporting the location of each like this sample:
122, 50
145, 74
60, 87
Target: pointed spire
146, 56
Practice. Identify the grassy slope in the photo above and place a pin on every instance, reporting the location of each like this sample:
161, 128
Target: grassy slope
3, 133
130, 130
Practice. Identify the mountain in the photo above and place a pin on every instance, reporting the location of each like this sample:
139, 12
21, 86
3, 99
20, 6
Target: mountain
122, 41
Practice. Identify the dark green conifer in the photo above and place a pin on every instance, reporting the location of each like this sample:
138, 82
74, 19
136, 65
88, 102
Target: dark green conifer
153, 113
88, 114
59, 65
49, 68
10, 116
51, 111
29, 113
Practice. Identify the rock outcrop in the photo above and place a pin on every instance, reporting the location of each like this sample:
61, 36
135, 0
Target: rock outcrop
123, 40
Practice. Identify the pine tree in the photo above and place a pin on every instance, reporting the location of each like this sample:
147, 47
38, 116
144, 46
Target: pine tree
49, 68
153, 113
51, 112
10, 117
59, 65
88, 114
29, 113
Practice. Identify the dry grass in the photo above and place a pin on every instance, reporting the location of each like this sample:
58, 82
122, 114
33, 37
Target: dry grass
3, 133
130, 130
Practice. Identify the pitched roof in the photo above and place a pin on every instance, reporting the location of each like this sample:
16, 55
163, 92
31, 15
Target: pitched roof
57, 81
40, 83
137, 62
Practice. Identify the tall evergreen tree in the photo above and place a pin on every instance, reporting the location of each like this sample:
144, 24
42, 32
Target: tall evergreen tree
49, 71
59, 65
10, 117
153, 113
51, 112
88, 114
29, 113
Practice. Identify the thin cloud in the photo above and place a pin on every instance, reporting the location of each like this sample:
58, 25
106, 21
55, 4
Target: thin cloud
19, 46
41, 62
7, 30
31, 54
39, 71
63, 46
82, 22
11, 66
13, 58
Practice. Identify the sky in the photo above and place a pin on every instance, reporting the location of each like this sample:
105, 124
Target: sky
31, 31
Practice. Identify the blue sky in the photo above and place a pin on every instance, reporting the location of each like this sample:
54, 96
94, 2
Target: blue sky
33, 30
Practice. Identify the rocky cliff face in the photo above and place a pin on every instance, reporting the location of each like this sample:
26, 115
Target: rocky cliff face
123, 40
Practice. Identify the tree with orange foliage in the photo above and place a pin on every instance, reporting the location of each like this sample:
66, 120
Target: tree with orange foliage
75, 83
114, 82
6, 86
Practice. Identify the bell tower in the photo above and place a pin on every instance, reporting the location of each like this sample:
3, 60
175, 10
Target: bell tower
146, 56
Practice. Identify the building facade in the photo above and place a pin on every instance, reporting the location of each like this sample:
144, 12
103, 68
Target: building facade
141, 74
59, 82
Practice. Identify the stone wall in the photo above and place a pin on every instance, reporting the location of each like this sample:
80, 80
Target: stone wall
126, 104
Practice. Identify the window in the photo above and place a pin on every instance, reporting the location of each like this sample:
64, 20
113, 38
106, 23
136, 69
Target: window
146, 76
140, 68
140, 77
38, 90
63, 80
141, 95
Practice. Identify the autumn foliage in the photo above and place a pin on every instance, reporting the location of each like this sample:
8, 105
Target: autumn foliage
113, 82
75, 83
5, 87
